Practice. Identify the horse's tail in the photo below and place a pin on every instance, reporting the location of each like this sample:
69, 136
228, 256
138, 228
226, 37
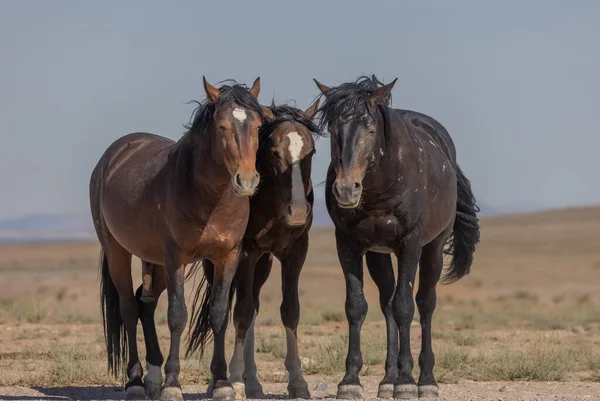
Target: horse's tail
115, 335
465, 233
200, 330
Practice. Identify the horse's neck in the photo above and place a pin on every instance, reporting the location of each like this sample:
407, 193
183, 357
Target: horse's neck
268, 188
204, 178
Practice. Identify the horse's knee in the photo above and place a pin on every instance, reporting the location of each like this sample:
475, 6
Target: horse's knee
356, 308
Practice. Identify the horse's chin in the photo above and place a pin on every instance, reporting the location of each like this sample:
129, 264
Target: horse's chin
344, 205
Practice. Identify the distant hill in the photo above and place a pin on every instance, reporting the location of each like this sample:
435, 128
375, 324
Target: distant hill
78, 226
47, 227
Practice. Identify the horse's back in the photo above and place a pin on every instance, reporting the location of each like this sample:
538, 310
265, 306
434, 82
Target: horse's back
433, 128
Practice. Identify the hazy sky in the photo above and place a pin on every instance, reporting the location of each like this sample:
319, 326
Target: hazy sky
516, 83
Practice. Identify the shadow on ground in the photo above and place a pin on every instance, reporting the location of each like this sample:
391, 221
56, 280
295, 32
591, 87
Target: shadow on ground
103, 393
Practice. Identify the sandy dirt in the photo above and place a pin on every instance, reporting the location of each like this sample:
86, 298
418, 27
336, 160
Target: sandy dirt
524, 325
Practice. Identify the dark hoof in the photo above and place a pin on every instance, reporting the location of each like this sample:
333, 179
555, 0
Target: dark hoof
386, 391
350, 392
135, 393
429, 391
171, 394
406, 391
299, 391
254, 391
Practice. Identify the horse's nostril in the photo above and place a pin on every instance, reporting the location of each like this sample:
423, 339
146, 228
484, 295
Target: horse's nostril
238, 179
356, 185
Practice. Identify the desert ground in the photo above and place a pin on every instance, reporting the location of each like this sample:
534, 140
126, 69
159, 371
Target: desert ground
524, 325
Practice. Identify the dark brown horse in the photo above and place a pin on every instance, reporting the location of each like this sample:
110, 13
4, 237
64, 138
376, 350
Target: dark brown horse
280, 218
394, 186
170, 204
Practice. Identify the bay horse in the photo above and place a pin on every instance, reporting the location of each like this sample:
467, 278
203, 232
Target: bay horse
394, 186
170, 204
280, 219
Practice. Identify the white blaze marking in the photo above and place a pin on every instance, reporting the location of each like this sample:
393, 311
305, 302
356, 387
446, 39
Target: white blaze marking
381, 151
239, 114
444, 166
296, 144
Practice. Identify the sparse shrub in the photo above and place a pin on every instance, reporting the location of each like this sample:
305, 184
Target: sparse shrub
333, 316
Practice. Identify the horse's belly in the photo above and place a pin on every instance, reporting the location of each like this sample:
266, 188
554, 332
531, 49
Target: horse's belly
381, 249
137, 235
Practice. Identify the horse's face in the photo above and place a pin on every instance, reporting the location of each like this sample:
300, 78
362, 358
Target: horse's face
353, 143
291, 148
356, 143
236, 129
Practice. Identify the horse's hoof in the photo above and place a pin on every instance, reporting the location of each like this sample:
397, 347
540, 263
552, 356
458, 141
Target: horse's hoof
240, 391
171, 394
223, 393
254, 391
350, 392
299, 391
152, 390
429, 391
153, 381
386, 391
135, 393
406, 391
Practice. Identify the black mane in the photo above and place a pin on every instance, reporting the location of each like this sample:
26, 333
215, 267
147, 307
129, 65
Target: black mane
284, 113
348, 100
233, 92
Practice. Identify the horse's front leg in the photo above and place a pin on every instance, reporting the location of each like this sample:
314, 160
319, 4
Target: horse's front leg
291, 266
243, 316
225, 270
177, 319
356, 309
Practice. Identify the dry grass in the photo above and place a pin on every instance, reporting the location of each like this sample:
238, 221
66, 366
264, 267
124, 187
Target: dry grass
530, 310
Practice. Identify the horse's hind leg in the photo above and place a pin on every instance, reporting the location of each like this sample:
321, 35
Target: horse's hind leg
408, 253
382, 272
154, 358
291, 266
119, 262
430, 270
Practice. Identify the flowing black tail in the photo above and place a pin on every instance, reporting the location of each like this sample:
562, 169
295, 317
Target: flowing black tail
114, 328
465, 234
200, 330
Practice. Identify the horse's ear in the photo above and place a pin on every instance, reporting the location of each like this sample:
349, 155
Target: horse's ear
213, 94
255, 90
381, 95
324, 89
312, 109
268, 115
